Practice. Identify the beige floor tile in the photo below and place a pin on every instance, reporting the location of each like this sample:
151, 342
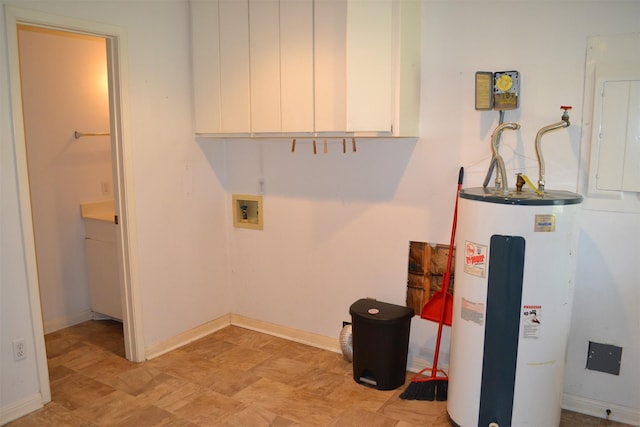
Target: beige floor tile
416, 412
359, 396
77, 391
170, 395
52, 415
287, 371
137, 381
59, 372
233, 377
154, 416
326, 360
266, 393
245, 337
210, 408
362, 417
251, 416
111, 409
106, 368
228, 381
242, 358
208, 347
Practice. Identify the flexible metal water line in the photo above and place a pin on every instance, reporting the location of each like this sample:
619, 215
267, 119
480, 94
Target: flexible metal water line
492, 165
502, 184
561, 124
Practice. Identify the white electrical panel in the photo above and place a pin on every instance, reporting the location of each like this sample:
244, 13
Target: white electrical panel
610, 170
614, 166
618, 140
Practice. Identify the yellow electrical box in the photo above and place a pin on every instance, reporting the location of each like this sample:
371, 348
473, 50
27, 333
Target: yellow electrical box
247, 211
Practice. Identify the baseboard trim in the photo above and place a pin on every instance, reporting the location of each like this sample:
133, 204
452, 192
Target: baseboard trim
20, 408
53, 325
187, 337
596, 408
291, 334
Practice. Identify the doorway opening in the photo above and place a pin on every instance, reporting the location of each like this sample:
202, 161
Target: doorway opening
115, 181
65, 102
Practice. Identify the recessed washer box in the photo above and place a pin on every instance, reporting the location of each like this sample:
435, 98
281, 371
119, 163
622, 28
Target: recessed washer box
247, 211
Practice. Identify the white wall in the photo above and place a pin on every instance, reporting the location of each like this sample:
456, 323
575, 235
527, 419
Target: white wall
64, 81
337, 226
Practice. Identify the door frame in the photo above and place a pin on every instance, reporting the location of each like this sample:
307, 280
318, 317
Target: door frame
122, 160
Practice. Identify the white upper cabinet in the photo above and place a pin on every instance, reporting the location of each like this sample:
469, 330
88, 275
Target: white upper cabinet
369, 37
330, 65
220, 43
306, 67
296, 65
264, 56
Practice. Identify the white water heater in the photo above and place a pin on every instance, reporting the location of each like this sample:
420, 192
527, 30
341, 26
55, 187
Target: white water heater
514, 283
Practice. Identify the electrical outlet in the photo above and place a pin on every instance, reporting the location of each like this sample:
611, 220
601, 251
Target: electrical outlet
19, 349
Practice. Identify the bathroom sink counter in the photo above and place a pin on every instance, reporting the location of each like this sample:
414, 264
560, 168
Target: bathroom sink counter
101, 211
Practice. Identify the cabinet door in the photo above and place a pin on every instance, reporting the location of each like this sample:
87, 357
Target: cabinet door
369, 65
330, 22
296, 65
205, 44
104, 284
264, 48
220, 43
234, 66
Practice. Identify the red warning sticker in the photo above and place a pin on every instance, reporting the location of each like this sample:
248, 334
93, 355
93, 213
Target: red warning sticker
531, 321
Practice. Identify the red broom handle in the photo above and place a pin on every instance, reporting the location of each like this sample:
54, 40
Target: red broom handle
446, 278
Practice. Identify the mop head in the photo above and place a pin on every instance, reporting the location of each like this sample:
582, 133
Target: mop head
426, 388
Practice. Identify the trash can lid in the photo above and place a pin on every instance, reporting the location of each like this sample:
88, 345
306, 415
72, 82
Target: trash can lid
372, 309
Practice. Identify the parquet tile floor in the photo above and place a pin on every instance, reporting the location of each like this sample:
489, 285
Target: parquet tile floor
233, 377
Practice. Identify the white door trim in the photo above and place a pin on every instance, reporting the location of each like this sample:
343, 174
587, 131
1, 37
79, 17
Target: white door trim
123, 176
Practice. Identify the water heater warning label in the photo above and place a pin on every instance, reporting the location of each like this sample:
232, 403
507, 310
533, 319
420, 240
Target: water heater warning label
475, 259
472, 311
531, 321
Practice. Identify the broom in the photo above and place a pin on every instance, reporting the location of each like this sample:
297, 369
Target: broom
432, 387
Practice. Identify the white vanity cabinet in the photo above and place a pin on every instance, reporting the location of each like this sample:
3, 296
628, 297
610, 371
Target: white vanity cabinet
102, 265
306, 66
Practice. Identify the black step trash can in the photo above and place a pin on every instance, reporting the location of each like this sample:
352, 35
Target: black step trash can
380, 343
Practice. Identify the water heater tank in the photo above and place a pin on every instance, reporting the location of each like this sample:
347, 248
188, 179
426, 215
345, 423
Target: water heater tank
513, 294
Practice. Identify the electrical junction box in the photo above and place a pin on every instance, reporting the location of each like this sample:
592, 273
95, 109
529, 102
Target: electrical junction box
497, 90
247, 211
604, 358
